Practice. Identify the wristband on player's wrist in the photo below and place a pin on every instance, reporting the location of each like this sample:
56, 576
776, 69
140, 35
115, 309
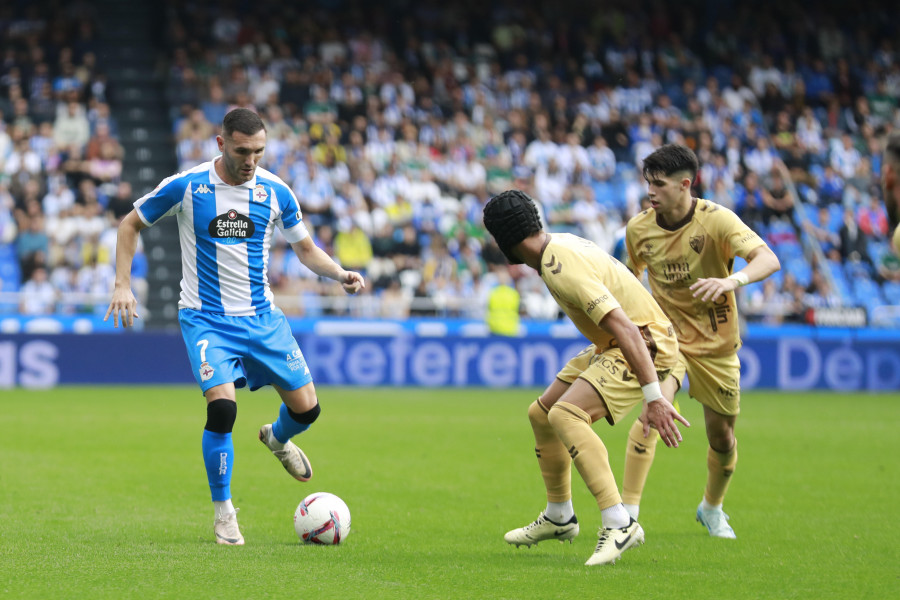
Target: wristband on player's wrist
740, 278
652, 391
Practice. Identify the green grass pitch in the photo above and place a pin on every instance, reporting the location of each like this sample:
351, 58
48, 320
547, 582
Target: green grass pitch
103, 495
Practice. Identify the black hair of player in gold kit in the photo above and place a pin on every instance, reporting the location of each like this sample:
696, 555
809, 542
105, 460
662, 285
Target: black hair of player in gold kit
510, 217
671, 159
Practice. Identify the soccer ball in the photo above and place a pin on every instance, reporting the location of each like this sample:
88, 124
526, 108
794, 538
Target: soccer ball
322, 518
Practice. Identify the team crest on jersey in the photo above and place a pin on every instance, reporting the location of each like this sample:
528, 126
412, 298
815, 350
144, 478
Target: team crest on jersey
697, 242
259, 193
206, 372
231, 228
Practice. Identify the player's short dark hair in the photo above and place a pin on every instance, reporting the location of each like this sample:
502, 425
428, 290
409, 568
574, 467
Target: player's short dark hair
892, 147
670, 159
510, 217
242, 120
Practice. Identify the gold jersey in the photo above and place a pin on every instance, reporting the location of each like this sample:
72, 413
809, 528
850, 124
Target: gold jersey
702, 245
588, 283
897, 240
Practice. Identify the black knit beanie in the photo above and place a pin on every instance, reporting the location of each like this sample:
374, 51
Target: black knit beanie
510, 217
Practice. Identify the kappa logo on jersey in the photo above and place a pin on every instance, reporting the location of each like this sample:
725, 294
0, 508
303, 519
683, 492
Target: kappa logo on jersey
231, 228
206, 372
697, 242
259, 193
203, 189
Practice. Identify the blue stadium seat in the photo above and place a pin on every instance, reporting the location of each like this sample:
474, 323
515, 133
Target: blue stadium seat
836, 211
867, 292
602, 193
9, 272
800, 269
9, 278
858, 269
876, 249
891, 291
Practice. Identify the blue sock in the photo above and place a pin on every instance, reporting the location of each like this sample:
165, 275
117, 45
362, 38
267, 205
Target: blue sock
218, 456
285, 427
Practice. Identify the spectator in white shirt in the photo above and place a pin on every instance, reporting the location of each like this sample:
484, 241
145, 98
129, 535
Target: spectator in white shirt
601, 159
540, 150
761, 158
37, 296
572, 155
845, 157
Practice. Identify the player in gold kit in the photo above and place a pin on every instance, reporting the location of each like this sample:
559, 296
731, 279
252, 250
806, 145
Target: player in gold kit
890, 184
688, 246
633, 347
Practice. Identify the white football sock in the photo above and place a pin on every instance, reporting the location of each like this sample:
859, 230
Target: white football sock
615, 517
707, 506
223, 507
559, 512
633, 510
274, 444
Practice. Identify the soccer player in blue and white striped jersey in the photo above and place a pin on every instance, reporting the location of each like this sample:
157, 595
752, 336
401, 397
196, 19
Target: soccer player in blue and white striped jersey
227, 210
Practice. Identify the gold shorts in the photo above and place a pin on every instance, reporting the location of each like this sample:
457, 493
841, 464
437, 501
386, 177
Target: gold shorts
713, 381
608, 372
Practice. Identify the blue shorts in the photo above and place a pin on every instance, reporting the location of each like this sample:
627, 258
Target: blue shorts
256, 350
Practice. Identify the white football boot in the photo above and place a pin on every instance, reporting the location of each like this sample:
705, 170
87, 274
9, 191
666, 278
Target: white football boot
292, 457
613, 542
543, 529
227, 531
716, 521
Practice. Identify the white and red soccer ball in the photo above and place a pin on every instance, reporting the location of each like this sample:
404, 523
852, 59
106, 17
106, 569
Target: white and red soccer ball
322, 518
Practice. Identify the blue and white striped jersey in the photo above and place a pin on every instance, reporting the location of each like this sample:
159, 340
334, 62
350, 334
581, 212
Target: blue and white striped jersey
225, 233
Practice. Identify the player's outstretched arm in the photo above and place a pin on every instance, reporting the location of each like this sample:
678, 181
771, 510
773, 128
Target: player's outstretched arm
318, 261
761, 262
658, 412
123, 302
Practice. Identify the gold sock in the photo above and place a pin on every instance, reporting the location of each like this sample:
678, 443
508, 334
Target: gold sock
639, 455
720, 467
553, 459
573, 426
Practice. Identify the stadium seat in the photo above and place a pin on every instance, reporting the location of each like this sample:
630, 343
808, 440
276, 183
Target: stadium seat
9, 273
867, 292
891, 291
800, 269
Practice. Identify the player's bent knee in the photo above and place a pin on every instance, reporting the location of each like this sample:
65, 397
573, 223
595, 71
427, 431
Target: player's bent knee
563, 416
308, 417
220, 415
537, 413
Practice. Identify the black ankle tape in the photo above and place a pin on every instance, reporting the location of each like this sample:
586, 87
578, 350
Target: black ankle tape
306, 418
220, 415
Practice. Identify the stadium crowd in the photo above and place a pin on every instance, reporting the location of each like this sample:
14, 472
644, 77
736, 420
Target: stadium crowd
394, 124
61, 192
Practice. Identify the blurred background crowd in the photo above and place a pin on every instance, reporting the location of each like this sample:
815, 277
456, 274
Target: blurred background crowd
395, 122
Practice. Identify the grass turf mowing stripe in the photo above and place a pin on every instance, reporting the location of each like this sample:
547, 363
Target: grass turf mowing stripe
103, 495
